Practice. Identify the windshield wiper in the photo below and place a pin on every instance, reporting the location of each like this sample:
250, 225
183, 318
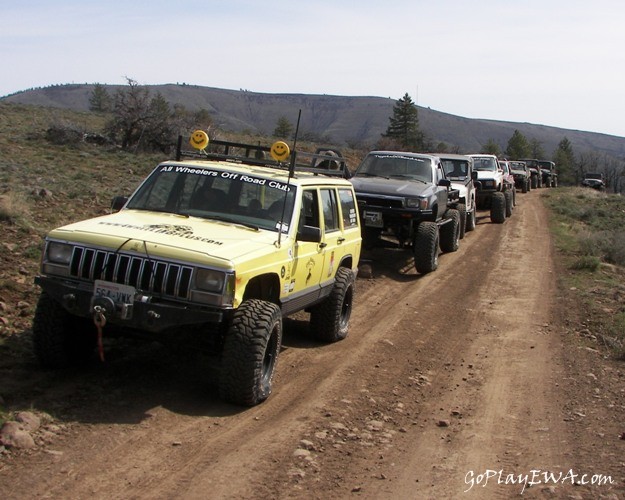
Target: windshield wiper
229, 220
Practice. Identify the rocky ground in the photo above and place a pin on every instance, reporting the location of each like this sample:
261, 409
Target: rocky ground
484, 379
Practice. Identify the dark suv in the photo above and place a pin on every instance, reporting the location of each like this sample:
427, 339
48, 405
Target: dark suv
406, 196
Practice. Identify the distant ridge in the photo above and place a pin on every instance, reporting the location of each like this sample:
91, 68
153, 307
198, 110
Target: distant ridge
340, 119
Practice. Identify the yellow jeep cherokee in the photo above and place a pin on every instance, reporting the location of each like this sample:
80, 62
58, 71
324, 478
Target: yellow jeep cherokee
226, 242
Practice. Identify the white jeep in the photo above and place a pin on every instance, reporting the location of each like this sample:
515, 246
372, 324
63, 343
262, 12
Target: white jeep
459, 170
492, 187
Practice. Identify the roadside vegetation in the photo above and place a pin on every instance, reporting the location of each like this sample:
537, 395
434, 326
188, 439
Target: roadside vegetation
589, 232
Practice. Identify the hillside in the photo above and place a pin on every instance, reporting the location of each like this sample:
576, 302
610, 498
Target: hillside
342, 119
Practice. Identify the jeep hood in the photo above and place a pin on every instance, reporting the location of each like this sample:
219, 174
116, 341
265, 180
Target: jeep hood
488, 174
390, 187
463, 190
168, 235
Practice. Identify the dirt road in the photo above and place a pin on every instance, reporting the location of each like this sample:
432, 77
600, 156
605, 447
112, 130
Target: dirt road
472, 382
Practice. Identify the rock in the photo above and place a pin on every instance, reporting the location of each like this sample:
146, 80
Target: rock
30, 421
301, 453
12, 435
443, 423
307, 445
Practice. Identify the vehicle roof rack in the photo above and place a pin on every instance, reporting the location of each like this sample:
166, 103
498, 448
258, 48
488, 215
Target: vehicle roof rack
325, 161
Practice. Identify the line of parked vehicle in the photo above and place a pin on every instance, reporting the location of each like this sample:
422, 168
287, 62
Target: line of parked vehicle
428, 201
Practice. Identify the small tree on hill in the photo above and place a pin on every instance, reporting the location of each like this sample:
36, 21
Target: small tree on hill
518, 147
404, 125
491, 148
99, 100
141, 121
536, 150
564, 158
283, 127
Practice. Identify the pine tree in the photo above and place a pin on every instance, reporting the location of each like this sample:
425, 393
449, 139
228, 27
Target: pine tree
283, 128
99, 100
564, 158
404, 125
491, 148
518, 147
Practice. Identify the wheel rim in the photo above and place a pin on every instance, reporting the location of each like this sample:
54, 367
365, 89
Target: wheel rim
346, 308
269, 359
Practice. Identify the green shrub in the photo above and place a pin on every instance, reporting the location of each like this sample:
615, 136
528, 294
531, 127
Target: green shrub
586, 263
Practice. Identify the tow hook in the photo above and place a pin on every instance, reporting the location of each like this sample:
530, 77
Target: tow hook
99, 319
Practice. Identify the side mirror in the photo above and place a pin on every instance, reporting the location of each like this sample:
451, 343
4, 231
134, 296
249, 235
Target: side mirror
474, 175
444, 182
118, 203
309, 233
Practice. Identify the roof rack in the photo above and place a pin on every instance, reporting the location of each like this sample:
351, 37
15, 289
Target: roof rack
324, 161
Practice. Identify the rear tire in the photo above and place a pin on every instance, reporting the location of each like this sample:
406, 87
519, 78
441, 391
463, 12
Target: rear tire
425, 247
498, 208
250, 353
329, 320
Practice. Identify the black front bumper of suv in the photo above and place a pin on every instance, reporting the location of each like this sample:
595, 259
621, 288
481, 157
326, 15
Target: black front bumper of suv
147, 314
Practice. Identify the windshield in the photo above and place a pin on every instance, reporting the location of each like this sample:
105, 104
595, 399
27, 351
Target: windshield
456, 169
485, 164
396, 166
216, 194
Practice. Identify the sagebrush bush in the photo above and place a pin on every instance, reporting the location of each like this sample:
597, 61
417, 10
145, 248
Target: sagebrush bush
12, 208
586, 263
615, 252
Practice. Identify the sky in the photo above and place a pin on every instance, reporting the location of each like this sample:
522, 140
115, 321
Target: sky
559, 63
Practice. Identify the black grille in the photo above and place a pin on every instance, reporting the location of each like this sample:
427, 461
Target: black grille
148, 275
379, 202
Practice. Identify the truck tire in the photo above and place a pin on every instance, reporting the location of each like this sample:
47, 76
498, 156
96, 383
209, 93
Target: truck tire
329, 320
498, 208
524, 188
425, 247
450, 232
471, 220
462, 210
534, 183
250, 353
61, 339
509, 197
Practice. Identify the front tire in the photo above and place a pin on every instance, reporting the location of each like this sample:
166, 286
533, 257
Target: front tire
471, 219
462, 210
329, 320
425, 247
450, 232
250, 353
498, 208
509, 197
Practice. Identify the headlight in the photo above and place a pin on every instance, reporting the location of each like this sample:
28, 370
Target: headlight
421, 203
489, 184
210, 280
59, 253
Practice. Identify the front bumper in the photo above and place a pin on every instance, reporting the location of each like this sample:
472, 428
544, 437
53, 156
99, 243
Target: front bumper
149, 313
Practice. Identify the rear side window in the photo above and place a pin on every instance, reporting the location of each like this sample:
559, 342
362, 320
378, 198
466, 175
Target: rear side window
348, 208
330, 209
